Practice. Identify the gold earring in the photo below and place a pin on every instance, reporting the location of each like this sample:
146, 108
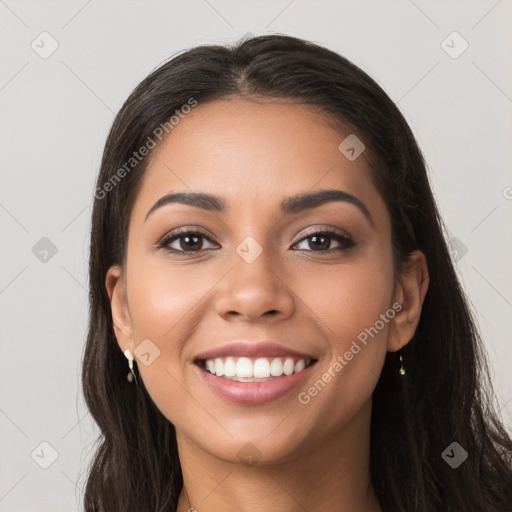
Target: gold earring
402, 369
131, 374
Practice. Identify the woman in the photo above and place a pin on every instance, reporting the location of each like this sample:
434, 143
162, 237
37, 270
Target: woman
268, 266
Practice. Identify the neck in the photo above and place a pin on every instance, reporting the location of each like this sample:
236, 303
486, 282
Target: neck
333, 475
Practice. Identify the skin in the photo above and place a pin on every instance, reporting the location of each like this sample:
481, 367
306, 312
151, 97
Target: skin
312, 457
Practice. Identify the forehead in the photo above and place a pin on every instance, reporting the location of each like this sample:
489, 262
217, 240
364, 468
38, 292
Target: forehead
253, 153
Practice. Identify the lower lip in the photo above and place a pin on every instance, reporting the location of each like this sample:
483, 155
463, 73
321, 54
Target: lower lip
254, 393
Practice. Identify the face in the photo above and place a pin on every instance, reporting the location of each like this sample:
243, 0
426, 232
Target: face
259, 269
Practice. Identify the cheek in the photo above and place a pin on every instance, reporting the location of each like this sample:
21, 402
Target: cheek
350, 301
348, 298
165, 303
164, 296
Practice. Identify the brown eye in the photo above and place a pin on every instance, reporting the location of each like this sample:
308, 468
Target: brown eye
320, 241
184, 242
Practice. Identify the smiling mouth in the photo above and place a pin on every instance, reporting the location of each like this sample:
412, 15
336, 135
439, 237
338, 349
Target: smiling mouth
261, 369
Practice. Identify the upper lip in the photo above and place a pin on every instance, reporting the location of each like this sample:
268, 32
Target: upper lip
260, 349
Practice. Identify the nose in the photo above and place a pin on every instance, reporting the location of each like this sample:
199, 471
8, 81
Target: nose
253, 290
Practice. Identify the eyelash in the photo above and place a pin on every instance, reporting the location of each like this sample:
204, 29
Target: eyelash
345, 241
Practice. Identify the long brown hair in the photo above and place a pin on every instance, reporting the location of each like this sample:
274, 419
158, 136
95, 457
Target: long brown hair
444, 397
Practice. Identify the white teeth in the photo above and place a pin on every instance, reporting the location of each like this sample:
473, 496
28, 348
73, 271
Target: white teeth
276, 367
288, 366
261, 368
219, 367
299, 366
230, 367
244, 369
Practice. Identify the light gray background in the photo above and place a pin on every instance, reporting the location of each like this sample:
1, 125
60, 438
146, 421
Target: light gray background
55, 116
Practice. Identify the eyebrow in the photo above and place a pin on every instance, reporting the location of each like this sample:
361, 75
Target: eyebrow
290, 205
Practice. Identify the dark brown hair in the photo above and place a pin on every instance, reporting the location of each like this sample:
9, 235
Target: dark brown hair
445, 396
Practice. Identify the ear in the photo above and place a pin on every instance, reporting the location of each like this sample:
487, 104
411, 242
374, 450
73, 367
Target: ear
410, 291
121, 318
